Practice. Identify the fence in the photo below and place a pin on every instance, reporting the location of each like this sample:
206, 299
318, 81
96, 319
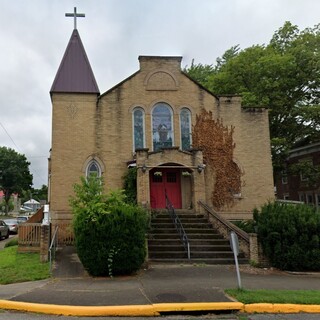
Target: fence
65, 235
36, 237
29, 237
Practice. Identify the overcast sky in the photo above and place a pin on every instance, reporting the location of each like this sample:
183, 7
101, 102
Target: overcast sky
34, 35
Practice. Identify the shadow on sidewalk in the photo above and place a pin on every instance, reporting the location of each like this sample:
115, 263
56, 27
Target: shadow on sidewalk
67, 264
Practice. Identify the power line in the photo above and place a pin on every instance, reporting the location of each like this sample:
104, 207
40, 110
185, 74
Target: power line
9, 136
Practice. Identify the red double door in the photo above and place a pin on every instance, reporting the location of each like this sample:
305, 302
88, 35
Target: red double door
161, 181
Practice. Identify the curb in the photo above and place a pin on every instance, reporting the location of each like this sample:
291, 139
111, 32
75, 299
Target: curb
135, 310
156, 309
281, 308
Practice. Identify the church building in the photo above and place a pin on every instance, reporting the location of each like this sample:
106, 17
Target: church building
164, 124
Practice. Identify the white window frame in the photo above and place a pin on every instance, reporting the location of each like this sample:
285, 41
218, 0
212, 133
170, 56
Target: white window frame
302, 197
307, 195
302, 177
98, 166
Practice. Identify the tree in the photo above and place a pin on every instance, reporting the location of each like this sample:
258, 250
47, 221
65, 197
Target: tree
283, 76
14, 173
37, 194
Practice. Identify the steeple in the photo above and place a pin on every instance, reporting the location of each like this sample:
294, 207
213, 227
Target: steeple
75, 74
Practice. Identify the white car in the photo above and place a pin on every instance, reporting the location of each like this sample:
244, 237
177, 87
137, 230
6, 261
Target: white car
12, 224
26, 209
22, 219
4, 230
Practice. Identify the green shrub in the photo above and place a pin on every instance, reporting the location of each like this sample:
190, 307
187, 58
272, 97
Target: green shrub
289, 235
130, 185
109, 233
248, 226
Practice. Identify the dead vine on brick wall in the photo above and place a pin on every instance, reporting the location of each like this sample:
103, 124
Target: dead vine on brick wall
216, 143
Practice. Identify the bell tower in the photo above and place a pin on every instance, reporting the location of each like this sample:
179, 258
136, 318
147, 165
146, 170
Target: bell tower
74, 94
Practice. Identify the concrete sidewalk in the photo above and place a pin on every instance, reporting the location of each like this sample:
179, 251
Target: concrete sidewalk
177, 285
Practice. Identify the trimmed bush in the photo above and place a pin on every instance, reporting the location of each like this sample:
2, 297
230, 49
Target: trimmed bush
246, 225
109, 233
289, 235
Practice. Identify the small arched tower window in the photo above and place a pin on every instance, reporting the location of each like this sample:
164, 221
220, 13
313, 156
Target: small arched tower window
93, 169
185, 128
138, 129
162, 127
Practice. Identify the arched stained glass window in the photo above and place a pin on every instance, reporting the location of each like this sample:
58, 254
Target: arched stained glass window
185, 128
93, 169
162, 128
138, 128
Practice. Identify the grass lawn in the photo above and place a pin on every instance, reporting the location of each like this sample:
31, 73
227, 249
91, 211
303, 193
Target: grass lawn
20, 267
275, 296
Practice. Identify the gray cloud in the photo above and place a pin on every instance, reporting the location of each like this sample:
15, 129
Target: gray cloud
34, 35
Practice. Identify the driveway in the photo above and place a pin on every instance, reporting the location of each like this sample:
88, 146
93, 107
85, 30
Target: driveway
4, 241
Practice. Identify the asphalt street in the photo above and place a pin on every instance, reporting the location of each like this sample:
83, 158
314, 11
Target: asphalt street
157, 284
4, 241
32, 316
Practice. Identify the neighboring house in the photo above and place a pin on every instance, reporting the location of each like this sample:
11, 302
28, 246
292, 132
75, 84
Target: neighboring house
146, 121
34, 205
298, 184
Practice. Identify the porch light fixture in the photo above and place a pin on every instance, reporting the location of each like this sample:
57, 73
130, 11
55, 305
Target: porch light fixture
201, 167
144, 168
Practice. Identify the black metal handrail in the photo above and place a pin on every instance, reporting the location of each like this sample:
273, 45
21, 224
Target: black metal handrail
53, 247
178, 225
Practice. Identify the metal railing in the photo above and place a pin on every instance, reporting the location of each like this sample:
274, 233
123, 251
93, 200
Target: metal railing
66, 234
224, 223
53, 247
178, 225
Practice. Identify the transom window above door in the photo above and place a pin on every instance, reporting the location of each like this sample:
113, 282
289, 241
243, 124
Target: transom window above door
162, 127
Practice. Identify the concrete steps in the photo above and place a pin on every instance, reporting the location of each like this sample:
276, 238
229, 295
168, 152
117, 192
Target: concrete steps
206, 244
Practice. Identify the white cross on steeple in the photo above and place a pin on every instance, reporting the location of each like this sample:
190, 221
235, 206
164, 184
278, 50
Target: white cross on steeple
75, 15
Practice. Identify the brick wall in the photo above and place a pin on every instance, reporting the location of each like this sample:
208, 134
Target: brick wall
84, 127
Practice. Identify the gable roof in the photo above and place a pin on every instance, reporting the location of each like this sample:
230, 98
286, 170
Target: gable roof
31, 201
177, 58
75, 74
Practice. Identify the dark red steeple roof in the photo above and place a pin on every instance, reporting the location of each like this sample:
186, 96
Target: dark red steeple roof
75, 74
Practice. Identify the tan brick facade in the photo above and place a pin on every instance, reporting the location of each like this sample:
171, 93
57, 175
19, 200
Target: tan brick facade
88, 126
